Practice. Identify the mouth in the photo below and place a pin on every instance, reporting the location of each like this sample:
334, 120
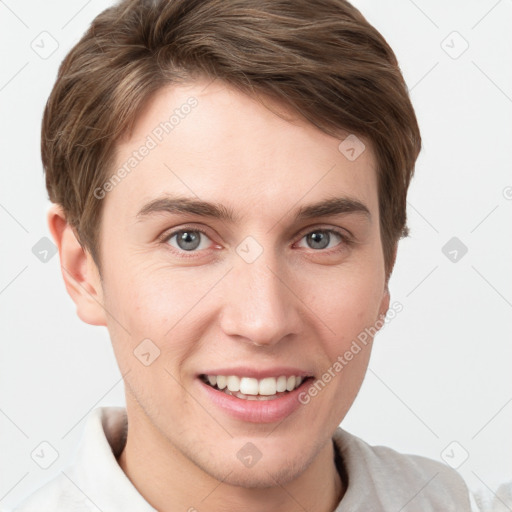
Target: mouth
250, 388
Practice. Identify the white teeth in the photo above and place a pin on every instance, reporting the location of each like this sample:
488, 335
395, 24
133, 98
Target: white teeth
281, 384
233, 383
221, 381
250, 386
268, 386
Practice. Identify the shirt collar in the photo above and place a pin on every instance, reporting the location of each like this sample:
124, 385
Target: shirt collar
97, 474
96, 471
375, 477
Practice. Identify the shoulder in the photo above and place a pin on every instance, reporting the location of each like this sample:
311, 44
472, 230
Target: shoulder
83, 484
401, 480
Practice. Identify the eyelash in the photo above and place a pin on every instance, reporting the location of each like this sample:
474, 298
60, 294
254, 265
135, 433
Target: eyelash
345, 240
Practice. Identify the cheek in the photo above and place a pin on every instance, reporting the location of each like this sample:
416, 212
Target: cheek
148, 297
141, 305
351, 309
150, 336
152, 304
352, 301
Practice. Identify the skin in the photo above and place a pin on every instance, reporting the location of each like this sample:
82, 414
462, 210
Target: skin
295, 305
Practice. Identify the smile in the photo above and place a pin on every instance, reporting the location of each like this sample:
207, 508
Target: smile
249, 388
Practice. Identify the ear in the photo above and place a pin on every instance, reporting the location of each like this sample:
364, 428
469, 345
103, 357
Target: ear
384, 305
79, 271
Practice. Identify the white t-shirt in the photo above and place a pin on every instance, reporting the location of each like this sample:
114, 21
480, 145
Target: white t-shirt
379, 478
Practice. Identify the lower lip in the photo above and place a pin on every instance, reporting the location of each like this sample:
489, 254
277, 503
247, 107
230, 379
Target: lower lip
256, 411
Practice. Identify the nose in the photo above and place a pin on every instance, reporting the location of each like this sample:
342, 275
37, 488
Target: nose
259, 305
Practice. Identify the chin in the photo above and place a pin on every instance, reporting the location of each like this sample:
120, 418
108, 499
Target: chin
267, 476
269, 471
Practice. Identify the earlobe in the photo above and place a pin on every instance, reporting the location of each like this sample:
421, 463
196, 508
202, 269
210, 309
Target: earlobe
384, 304
79, 271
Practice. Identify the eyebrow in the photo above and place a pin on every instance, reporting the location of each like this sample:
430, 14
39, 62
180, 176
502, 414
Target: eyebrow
177, 205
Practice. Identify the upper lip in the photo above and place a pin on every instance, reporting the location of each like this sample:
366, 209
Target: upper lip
246, 371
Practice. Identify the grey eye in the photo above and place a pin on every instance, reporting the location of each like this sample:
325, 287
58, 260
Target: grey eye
318, 239
323, 238
187, 240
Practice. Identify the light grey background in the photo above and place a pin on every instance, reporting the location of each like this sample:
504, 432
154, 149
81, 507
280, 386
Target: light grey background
440, 371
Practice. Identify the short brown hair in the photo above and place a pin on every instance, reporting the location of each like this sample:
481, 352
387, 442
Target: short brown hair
319, 57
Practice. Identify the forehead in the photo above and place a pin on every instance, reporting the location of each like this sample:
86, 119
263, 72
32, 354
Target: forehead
208, 140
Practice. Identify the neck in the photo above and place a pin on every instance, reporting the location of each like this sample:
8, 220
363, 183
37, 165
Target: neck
169, 481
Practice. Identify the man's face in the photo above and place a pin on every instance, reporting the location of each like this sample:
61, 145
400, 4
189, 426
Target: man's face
264, 294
